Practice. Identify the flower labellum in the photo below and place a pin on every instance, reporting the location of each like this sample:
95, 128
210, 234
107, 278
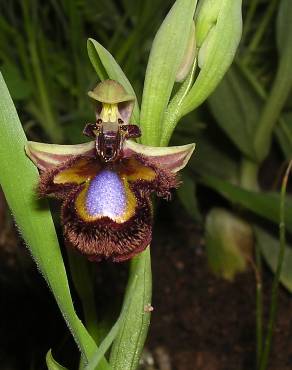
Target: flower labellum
105, 185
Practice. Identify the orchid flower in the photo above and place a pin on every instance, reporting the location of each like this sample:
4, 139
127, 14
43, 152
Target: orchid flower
105, 184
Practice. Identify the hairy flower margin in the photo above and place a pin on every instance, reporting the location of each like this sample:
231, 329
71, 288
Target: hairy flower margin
105, 185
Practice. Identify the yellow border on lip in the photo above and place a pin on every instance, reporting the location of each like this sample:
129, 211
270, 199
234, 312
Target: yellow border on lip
79, 172
80, 204
142, 173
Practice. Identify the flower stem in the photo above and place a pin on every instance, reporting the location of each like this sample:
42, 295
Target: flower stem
275, 286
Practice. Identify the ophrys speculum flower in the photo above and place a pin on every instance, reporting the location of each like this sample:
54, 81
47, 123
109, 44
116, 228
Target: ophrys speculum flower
105, 185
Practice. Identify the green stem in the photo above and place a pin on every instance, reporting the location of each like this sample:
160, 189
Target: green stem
261, 30
128, 346
275, 286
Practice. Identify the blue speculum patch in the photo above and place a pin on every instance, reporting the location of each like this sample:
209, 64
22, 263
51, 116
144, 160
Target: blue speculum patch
106, 195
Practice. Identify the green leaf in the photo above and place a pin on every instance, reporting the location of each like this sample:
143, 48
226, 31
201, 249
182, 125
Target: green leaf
236, 107
220, 28
187, 195
229, 242
167, 52
269, 247
53, 364
106, 67
266, 205
128, 345
18, 178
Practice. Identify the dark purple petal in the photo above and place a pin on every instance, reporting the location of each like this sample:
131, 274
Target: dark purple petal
58, 181
104, 238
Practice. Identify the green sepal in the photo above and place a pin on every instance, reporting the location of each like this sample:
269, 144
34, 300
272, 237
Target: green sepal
110, 92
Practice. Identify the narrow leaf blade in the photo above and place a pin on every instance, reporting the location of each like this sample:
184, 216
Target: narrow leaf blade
18, 178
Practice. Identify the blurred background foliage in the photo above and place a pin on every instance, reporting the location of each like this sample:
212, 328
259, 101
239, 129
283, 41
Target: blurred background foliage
243, 132
44, 57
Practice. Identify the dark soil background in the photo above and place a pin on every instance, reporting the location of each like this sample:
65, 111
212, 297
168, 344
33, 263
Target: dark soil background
199, 322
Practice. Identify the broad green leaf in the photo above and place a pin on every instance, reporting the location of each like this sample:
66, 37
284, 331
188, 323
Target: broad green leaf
187, 195
229, 243
106, 67
167, 52
236, 107
128, 345
266, 205
281, 86
217, 48
18, 178
53, 364
269, 247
